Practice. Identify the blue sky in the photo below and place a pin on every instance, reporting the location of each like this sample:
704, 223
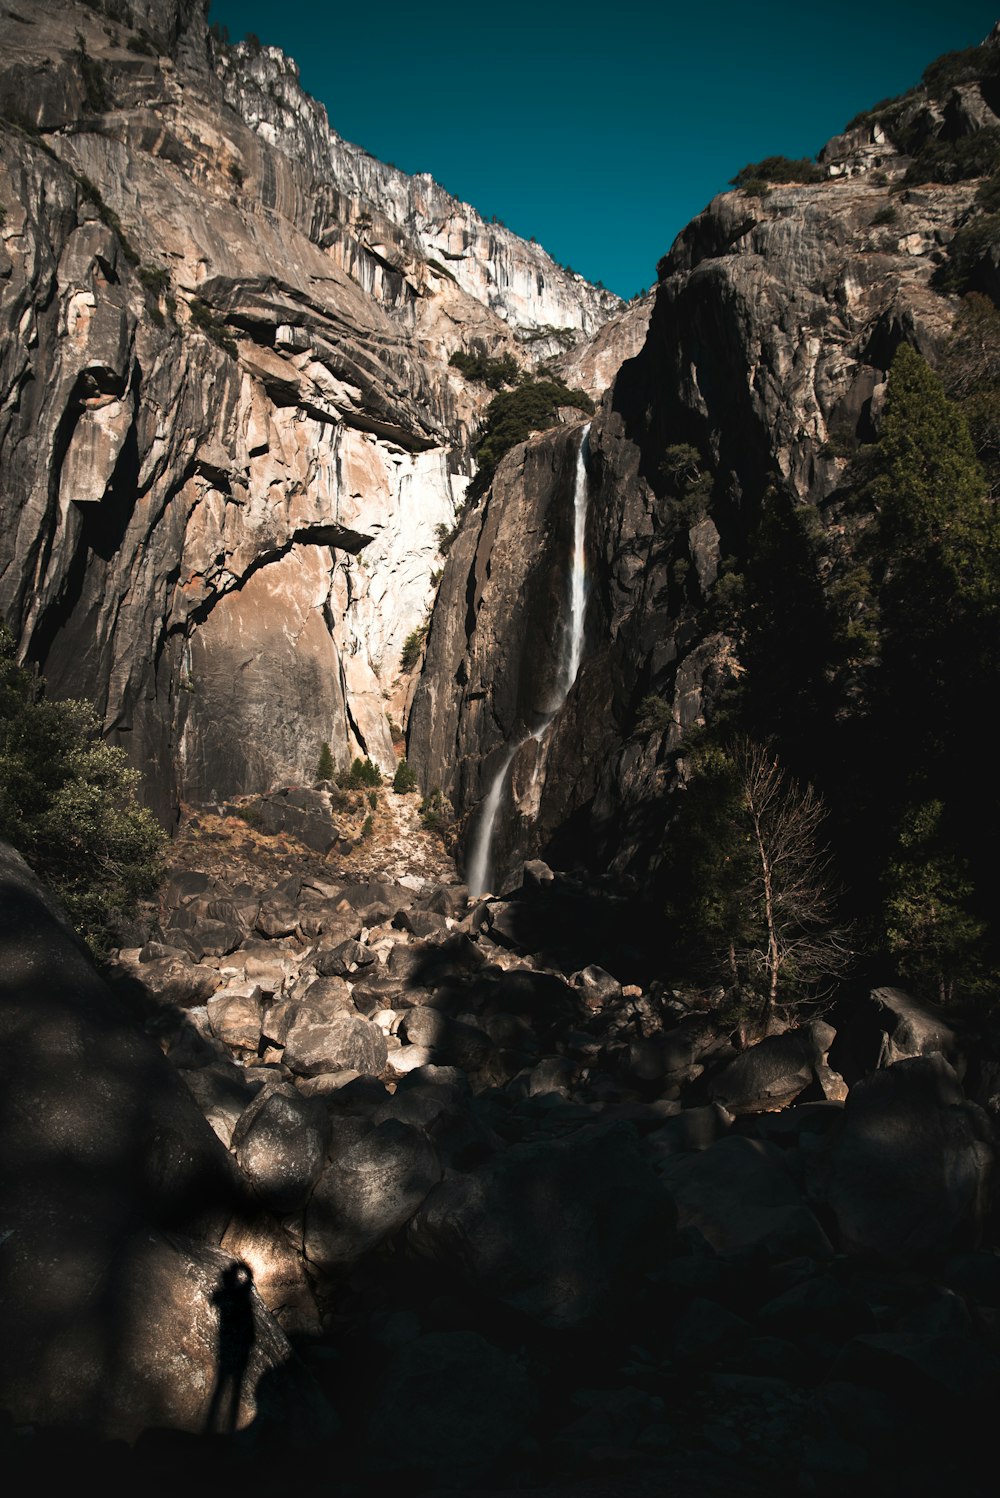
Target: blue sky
601, 130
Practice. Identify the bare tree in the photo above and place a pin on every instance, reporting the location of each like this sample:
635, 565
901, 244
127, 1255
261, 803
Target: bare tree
789, 882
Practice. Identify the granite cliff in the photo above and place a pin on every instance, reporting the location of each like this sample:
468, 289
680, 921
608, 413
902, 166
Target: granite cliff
776, 318
229, 431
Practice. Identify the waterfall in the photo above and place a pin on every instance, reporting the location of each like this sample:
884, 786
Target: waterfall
480, 871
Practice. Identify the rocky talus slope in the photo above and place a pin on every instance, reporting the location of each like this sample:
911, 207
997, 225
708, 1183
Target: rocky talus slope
457, 1194
229, 433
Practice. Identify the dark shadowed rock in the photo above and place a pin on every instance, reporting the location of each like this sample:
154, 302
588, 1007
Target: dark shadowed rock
464, 1405
891, 1026
908, 1175
279, 1142
448, 1041
554, 1229
772, 1073
741, 1199
368, 1191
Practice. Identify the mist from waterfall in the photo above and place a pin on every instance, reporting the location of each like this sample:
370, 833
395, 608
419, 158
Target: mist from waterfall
479, 870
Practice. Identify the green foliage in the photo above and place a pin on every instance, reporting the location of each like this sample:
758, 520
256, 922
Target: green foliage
971, 375
404, 781
495, 374
887, 214
935, 160
68, 802
373, 799
368, 826
953, 68
436, 811
929, 492
361, 774
778, 169
325, 768
513, 415
653, 714
413, 645
930, 928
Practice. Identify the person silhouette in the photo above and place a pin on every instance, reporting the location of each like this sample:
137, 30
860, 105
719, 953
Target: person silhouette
236, 1337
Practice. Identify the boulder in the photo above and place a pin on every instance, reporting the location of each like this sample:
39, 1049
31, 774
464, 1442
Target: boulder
774, 1072
110, 1324
908, 1173
345, 957
448, 1041
890, 1026
276, 917
278, 1270
555, 1229
177, 981
236, 1017
346, 1042
368, 1192
222, 1092
739, 1197
596, 987
279, 1142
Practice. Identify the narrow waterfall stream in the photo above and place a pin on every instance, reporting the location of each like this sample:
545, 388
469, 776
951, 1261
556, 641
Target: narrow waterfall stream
479, 868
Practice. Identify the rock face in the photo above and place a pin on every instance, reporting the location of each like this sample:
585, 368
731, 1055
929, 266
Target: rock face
773, 327
229, 432
115, 1190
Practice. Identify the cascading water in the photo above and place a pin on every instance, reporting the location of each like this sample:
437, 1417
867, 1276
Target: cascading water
479, 869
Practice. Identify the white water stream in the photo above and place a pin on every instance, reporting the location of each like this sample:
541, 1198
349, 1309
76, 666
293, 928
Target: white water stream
479, 869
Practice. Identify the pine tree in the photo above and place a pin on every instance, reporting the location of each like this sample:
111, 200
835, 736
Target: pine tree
325, 767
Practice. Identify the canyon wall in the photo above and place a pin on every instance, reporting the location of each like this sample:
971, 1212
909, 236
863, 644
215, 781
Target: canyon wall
230, 437
776, 317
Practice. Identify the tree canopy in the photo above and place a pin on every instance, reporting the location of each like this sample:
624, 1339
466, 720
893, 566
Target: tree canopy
69, 804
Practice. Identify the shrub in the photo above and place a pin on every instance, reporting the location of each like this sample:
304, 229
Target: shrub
436, 811
68, 803
953, 68
976, 155
368, 826
361, 774
412, 646
404, 780
493, 373
778, 169
654, 715
373, 800
325, 765
513, 415
885, 215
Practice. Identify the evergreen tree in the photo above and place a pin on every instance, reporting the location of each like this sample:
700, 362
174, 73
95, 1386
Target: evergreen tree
325, 767
68, 803
930, 927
